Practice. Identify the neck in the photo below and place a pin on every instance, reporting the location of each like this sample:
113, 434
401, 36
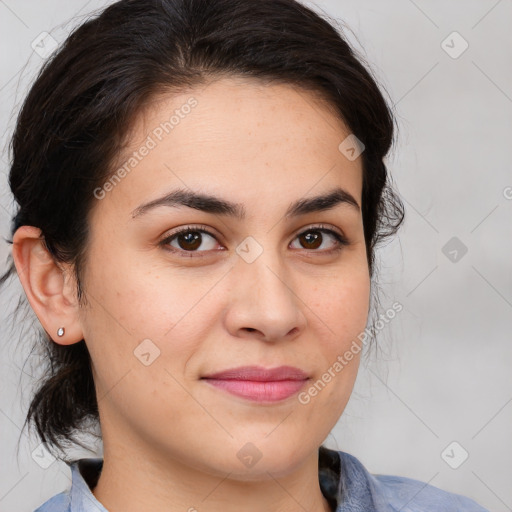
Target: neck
132, 482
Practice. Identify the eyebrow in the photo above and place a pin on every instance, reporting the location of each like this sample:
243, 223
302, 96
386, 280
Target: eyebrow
218, 206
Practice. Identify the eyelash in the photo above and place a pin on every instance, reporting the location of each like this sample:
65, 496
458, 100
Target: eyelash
342, 241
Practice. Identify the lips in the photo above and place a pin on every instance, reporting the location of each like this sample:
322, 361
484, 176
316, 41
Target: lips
260, 374
259, 384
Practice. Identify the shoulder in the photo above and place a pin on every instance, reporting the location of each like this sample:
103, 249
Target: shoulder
413, 495
390, 493
58, 503
79, 497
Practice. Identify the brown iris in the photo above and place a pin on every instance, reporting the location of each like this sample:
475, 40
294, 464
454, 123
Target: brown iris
312, 237
192, 239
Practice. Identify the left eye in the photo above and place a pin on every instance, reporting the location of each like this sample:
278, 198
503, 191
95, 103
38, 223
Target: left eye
189, 240
314, 238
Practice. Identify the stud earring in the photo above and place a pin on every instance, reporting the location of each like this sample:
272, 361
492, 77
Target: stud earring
60, 332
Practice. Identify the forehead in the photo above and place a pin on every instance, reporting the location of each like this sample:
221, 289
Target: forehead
236, 137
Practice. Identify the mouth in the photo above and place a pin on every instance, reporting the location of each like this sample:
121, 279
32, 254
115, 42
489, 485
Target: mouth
260, 384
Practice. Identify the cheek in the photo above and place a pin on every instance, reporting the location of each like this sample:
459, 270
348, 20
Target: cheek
133, 294
342, 315
132, 303
342, 303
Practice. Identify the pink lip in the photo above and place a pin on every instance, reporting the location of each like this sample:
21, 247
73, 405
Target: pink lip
258, 383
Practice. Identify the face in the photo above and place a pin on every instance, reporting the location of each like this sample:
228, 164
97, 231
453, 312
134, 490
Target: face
255, 282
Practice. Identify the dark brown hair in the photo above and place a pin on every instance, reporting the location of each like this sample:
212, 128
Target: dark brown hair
77, 114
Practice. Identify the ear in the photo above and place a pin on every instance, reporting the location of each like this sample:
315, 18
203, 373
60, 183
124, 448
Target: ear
50, 288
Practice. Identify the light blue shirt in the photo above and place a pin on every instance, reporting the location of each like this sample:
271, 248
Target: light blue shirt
344, 481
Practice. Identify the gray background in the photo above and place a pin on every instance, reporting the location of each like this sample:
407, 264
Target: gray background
443, 372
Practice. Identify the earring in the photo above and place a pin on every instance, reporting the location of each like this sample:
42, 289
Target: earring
60, 332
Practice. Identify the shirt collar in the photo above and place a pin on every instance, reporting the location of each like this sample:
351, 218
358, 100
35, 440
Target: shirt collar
84, 477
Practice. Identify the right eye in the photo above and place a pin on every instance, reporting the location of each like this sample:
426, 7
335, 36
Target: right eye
188, 240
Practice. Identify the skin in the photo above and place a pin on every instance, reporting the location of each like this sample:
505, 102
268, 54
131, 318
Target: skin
170, 439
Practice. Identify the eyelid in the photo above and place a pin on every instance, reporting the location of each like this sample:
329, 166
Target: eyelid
190, 227
321, 225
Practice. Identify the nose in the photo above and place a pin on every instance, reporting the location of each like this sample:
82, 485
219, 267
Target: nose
264, 302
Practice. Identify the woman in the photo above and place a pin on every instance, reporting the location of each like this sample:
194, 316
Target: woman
201, 190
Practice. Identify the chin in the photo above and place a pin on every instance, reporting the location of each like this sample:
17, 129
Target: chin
264, 458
